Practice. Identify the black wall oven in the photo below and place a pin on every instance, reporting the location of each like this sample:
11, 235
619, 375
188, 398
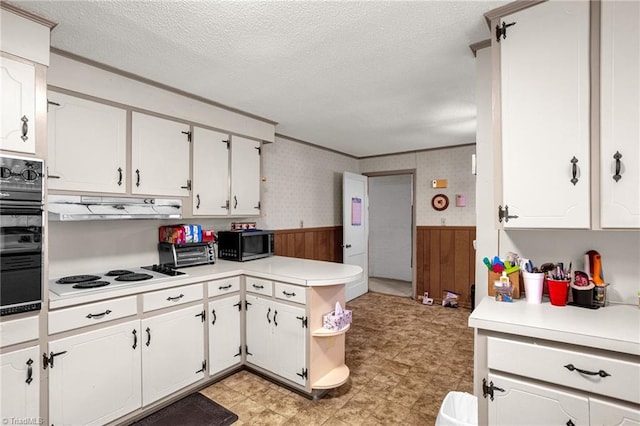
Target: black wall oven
21, 234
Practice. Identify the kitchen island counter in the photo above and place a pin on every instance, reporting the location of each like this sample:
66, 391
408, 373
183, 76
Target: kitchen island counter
304, 272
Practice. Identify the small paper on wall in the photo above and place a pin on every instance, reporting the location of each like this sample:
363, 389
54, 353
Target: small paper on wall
356, 211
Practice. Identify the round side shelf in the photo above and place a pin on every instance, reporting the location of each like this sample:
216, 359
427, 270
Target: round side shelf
323, 332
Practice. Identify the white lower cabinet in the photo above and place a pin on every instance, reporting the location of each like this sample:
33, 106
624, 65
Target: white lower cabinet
609, 413
94, 377
277, 338
20, 384
225, 343
172, 352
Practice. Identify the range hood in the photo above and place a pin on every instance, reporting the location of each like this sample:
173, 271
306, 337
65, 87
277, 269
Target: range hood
82, 207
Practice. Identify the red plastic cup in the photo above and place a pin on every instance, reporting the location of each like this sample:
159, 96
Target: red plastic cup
558, 292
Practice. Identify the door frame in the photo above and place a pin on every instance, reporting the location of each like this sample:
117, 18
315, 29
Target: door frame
414, 228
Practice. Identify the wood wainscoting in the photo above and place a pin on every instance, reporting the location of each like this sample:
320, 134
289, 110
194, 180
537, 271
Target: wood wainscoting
323, 243
445, 260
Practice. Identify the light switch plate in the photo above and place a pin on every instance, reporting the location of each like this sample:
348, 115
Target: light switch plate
439, 183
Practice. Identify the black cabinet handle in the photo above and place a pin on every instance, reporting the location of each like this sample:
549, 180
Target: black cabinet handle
135, 339
29, 372
25, 128
570, 423
148, 330
235, 202
213, 312
119, 176
137, 177
268, 312
275, 315
224, 287
175, 299
198, 198
288, 294
617, 156
600, 373
107, 312
574, 170
259, 287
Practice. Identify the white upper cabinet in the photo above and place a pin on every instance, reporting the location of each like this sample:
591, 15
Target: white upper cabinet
620, 115
87, 143
17, 123
544, 67
159, 156
210, 172
245, 177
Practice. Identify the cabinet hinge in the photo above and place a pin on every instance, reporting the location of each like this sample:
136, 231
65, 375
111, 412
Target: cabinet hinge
188, 136
239, 305
259, 149
187, 186
502, 30
303, 374
246, 350
239, 351
504, 214
204, 367
304, 320
228, 142
258, 206
246, 304
201, 315
488, 390
48, 360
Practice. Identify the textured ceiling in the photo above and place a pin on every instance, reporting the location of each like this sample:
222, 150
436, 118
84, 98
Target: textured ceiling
362, 78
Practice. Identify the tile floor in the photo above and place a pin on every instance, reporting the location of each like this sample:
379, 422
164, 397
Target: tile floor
391, 287
404, 358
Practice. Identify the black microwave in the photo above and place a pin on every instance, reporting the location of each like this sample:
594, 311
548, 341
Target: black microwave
245, 245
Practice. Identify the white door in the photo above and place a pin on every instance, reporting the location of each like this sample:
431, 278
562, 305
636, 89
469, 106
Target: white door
524, 403
20, 384
620, 115
259, 316
290, 343
245, 177
18, 119
172, 352
95, 378
355, 230
210, 172
545, 116
87, 145
224, 334
159, 156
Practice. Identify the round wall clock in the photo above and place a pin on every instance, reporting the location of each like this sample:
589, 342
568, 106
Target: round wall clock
440, 202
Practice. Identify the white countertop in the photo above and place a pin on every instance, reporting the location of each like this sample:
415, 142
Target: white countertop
614, 327
304, 272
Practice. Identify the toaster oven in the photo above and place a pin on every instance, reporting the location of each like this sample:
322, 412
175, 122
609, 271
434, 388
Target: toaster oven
189, 254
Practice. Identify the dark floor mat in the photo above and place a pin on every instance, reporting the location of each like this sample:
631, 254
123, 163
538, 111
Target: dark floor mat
193, 410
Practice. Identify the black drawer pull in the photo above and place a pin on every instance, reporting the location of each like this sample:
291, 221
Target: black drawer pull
224, 287
268, 312
600, 373
135, 339
213, 312
288, 294
275, 315
259, 287
175, 299
148, 330
25, 128
107, 312
617, 156
29, 372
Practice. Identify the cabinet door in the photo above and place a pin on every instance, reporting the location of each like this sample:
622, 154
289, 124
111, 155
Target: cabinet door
290, 343
87, 145
210, 172
545, 116
620, 115
607, 413
245, 177
259, 317
20, 384
172, 352
524, 403
95, 376
224, 334
18, 120
159, 156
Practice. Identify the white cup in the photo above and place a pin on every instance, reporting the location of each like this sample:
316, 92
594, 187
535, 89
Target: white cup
533, 283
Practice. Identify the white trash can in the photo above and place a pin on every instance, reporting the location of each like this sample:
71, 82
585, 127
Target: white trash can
458, 409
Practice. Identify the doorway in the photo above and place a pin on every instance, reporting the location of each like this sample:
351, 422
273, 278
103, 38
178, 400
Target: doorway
391, 233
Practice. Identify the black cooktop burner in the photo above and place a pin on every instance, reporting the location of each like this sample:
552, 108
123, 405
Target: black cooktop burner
134, 277
73, 279
91, 284
118, 272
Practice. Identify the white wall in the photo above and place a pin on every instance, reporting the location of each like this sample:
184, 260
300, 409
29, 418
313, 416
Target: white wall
390, 227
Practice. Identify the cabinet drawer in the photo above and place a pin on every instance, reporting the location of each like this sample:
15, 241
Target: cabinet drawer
292, 293
171, 297
226, 286
18, 331
90, 314
562, 366
260, 286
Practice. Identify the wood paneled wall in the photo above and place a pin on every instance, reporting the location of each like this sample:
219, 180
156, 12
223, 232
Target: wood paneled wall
445, 260
324, 243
